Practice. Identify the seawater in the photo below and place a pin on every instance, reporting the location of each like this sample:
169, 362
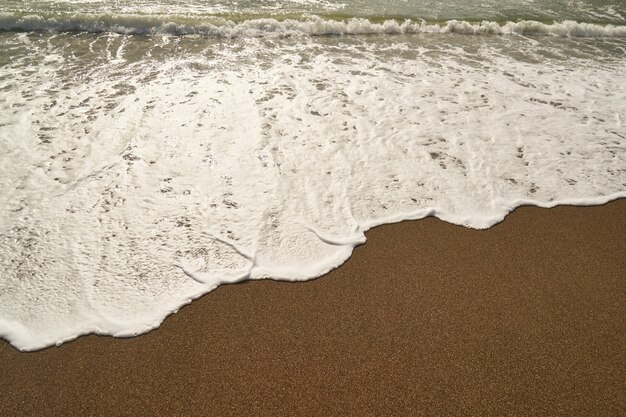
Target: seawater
153, 150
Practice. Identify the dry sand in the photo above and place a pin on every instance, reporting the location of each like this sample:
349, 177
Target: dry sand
525, 319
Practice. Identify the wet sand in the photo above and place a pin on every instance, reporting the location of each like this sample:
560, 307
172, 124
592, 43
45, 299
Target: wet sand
527, 318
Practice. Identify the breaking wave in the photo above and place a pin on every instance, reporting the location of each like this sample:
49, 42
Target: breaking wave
302, 26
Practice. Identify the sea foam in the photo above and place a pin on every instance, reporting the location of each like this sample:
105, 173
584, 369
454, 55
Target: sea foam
138, 174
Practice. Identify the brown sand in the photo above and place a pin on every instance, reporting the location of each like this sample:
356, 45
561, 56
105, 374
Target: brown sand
525, 319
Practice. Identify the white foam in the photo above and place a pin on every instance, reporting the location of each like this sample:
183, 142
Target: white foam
312, 25
140, 173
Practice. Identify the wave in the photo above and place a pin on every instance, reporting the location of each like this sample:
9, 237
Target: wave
131, 189
304, 26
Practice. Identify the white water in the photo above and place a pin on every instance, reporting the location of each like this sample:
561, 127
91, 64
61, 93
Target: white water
138, 173
135, 24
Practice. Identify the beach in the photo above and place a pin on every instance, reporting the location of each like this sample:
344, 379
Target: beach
312, 207
427, 318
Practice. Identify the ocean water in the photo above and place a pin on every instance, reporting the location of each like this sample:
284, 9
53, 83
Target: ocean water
151, 150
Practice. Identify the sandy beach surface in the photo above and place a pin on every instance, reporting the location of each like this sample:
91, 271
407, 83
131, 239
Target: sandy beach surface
527, 318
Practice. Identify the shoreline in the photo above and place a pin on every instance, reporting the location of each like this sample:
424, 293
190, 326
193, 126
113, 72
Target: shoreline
523, 318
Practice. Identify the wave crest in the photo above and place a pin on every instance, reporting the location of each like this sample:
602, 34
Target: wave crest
307, 26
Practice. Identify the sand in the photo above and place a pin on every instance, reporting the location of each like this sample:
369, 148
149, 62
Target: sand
527, 318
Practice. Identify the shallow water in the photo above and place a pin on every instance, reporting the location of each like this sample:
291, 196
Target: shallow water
152, 150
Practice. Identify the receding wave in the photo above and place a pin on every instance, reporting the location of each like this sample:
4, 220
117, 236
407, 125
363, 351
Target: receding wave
304, 26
